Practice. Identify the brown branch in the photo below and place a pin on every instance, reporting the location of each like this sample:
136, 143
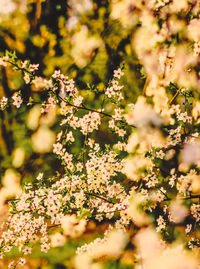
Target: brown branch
95, 111
100, 197
174, 97
185, 198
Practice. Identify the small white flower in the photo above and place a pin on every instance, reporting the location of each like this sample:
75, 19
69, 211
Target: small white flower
40, 176
17, 100
118, 73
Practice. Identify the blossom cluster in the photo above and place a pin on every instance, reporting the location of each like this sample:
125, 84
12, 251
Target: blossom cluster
147, 184
88, 189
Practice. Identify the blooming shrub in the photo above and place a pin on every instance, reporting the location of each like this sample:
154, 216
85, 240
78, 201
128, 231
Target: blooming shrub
144, 184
